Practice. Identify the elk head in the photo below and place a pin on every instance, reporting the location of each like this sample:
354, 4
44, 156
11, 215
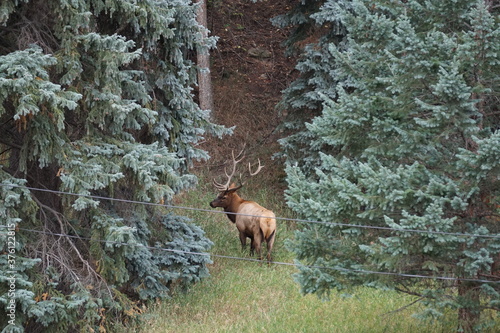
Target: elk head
227, 197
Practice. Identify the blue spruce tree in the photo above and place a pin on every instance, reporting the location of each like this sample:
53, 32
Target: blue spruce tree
96, 100
313, 29
409, 145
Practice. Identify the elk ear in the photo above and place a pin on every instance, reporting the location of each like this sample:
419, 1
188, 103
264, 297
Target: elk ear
233, 188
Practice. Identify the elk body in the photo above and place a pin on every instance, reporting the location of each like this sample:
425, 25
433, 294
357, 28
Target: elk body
252, 220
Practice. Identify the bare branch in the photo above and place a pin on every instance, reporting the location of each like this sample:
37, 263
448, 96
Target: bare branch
403, 307
57, 250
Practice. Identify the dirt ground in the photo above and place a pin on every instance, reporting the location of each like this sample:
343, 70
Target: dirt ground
249, 71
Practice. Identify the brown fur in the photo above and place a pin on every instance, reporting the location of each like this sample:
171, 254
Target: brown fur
259, 227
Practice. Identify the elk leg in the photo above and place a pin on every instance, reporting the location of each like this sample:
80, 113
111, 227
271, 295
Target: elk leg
256, 243
256, 246
243, 240
252, 245
270, 243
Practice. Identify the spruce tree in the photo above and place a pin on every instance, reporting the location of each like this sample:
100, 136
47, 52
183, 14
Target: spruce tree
313, 28
409, 147
96, 100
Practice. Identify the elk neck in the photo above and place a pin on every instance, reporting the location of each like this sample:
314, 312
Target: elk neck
234, 206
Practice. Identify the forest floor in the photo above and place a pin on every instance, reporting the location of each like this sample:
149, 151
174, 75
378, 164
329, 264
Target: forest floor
249, 71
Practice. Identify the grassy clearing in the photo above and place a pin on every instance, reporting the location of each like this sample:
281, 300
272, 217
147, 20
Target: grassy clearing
267, 300
243, 296
259, 299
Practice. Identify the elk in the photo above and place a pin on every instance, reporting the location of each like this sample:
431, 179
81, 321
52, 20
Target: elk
251, 219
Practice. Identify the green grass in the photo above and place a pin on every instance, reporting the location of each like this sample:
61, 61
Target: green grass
254, 298
245, 296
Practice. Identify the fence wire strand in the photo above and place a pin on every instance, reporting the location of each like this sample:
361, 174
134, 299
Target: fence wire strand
297, 265
341, 269
347, 225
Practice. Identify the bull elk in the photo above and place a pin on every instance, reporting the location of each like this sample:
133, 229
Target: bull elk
251, 219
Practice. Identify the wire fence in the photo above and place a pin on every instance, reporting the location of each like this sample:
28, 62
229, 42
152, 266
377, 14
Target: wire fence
297, 265
287, 219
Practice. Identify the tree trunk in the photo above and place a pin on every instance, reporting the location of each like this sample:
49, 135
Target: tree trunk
203, 60
469, 313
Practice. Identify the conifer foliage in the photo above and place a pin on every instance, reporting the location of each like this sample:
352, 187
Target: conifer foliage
409, 141
96, 99
314, 28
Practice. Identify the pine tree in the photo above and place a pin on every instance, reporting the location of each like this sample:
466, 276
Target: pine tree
96, 100
314, 28
409, 142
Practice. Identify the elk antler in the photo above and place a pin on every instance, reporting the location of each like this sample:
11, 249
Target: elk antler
225, 187
256, 171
